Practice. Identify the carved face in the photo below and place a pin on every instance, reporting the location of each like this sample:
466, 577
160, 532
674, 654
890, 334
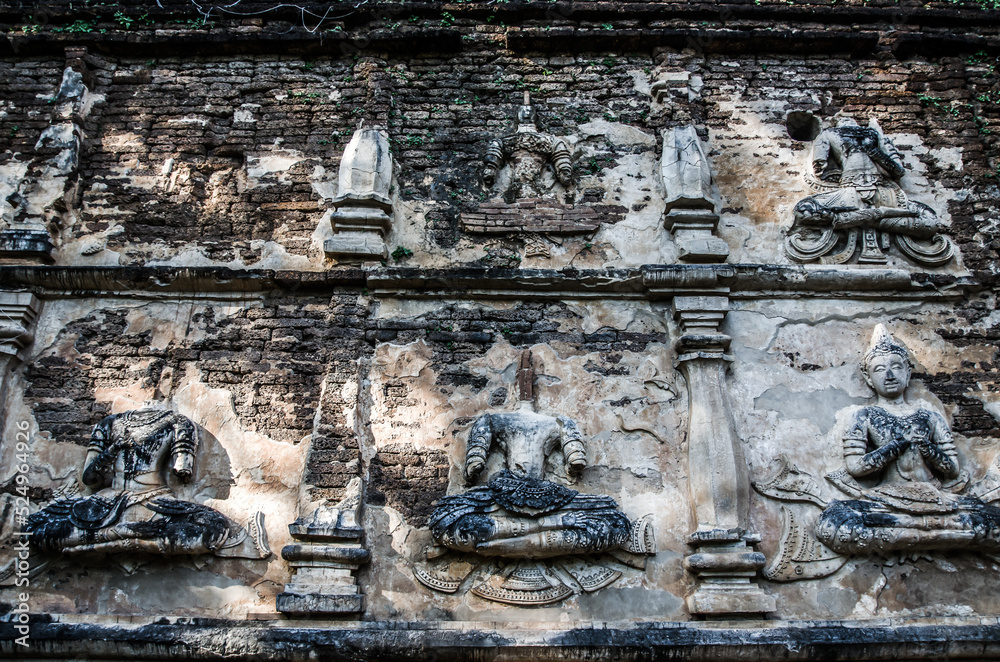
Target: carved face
888, 374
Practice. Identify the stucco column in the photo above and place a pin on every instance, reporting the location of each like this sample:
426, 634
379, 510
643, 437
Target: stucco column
18, 311
722, 558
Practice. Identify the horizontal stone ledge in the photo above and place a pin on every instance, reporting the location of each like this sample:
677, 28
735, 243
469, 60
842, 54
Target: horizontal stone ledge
231, 42
738, 281
297, 640
100, 281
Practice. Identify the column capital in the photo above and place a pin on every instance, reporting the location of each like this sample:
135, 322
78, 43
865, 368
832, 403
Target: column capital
18, 311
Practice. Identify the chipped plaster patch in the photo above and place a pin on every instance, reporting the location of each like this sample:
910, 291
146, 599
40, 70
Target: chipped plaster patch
277, 163
617, 134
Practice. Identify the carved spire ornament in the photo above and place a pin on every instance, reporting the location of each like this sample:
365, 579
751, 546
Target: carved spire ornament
860, 206
324, 558
689, 213
362, 215
723, 557
18, 311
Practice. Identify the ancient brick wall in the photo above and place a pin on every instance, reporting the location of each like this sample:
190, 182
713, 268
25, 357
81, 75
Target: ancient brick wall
189, 268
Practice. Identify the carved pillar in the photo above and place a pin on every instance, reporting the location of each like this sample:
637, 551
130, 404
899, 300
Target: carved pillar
362, 214
18, 311
723, 559
48, 187
690, 205
324, 557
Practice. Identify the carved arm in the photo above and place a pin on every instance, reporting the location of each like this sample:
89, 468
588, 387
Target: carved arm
821, 153
494, 160
562, 162
894, 165
99, 463
938, 449
183, 448
572, 445
478, 446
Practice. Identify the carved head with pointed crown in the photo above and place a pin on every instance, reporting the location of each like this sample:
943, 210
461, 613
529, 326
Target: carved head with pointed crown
886, 366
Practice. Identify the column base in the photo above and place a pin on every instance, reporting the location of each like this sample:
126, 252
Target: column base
356, 246
694, 234
724, 600
318, 604
711, 249
726, 564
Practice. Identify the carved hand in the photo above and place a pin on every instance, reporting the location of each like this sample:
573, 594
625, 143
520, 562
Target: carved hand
880, 457
577, 461
474, 465
819, 165
184, 466
576, 455
564, 175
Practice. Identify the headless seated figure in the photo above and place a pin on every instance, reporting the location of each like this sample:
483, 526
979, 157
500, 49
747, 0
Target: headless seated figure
908, 450
866, 167
133, 509
519, 514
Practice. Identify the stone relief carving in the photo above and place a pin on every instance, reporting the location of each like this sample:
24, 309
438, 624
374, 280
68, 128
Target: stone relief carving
133, 508
324, 557
690, 204
535, 530
527, 152
524, 172
902, 487
859, 205
49, 185
362, 214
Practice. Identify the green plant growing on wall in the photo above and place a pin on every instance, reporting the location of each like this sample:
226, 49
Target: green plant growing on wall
401, 253
938, 103
79, 26
124, 20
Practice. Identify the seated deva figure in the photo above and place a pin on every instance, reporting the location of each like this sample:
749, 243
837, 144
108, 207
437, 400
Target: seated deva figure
133, 508
858, 172
866, 167
527, 152
908, 453
518, 514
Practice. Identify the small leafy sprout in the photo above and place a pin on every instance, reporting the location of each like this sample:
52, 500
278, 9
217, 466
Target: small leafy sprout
401, 253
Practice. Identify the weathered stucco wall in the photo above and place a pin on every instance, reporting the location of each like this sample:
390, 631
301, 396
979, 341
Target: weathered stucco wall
189, 211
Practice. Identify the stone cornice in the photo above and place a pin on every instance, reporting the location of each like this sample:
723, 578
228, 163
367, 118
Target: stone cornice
738, 281
723, 27
292, 641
